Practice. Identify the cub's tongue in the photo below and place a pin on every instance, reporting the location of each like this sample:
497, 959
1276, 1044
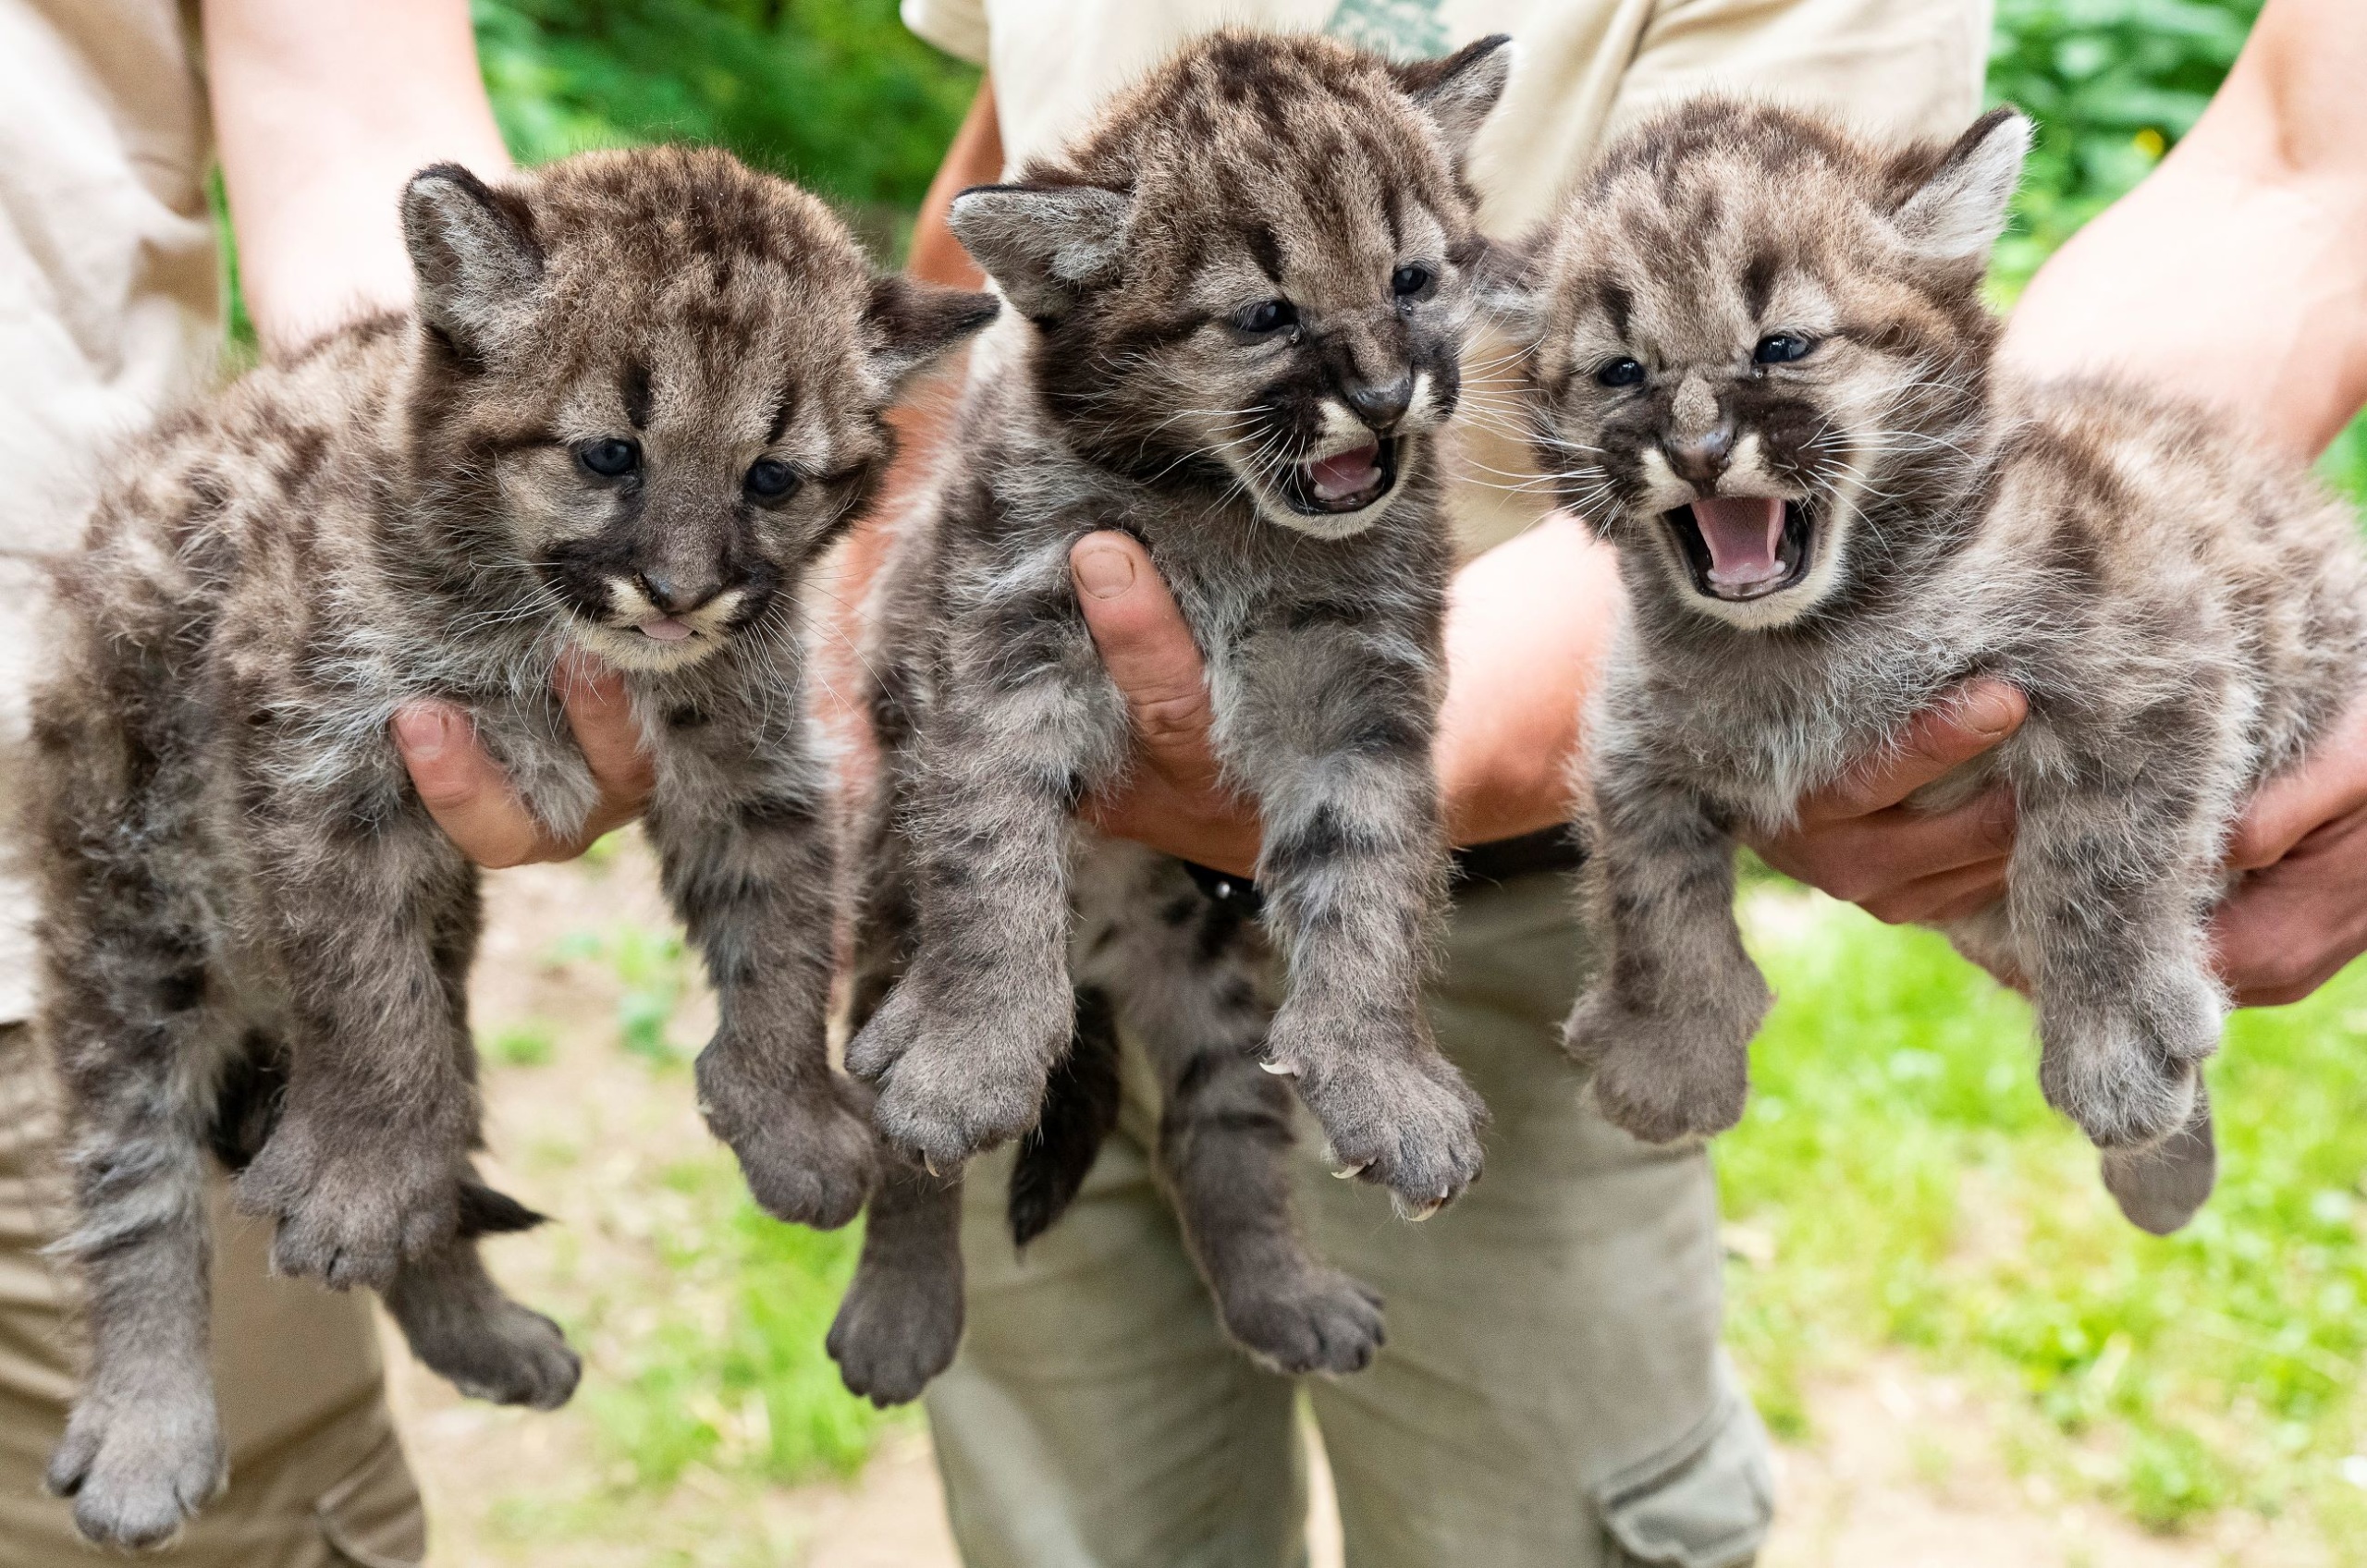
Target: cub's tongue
664, 630
1743, 533
1344, 473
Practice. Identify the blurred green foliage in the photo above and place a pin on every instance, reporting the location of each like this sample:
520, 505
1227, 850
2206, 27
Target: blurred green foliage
1906, 1185
2112, 84
833, 93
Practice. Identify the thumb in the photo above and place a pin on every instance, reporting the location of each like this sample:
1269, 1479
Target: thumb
1148, 651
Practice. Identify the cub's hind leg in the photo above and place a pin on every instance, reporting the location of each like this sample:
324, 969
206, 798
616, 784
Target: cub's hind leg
457, 1320
136, 1047
463, 1326
2113, 873
1184, 966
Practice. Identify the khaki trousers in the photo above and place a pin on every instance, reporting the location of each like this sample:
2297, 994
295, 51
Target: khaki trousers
317, 1479
1551, 1391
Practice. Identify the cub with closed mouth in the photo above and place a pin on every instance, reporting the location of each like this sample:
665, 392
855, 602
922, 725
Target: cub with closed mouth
1761, 364
640, 392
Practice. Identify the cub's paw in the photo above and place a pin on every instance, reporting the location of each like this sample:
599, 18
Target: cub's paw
1660, 1079
2159, 1189
1314, 1319
964, 1086
897, 1329
2127, 1073
808, 1153
490, 1348
354, 1216
137, 1467
1396, 1112
881, 1043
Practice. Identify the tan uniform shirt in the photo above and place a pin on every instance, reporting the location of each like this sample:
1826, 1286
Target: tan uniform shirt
1583, 70
108, 302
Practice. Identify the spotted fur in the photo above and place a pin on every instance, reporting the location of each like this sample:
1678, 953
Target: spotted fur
240, 886
1257, 260
1803, 318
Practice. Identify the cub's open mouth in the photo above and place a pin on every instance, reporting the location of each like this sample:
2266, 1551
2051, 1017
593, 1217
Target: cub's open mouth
1743, 547
1344, 481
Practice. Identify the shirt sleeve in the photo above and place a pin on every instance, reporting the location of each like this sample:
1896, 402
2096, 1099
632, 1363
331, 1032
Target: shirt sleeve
957, 27
1887, 68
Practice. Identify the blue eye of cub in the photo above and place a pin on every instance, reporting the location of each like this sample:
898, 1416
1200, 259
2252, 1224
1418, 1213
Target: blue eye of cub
1267, 315
1409, 280
769, 479
1782, 349
1619, 372
611, 458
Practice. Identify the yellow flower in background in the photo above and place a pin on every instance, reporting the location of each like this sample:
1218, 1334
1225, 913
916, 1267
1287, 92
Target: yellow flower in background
2151, 143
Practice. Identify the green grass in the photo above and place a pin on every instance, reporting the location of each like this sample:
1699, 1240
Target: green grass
1918, 1192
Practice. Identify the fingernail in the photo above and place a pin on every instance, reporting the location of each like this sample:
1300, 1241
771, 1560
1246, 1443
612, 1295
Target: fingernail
1103, 570
1989, 710
422, 732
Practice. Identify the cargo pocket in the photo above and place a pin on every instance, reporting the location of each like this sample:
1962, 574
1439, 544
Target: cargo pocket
1705, 1502
373, 1518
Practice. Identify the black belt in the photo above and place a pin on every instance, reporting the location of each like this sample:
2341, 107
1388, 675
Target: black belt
1494, 864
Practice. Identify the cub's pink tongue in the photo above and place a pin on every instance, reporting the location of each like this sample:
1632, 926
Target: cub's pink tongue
1743, 533
1344, 473
664, 630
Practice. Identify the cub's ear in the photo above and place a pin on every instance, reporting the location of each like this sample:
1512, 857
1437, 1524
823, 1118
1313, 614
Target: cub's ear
1458, 91
473, 252
1960, 210
1043, 243
909, 323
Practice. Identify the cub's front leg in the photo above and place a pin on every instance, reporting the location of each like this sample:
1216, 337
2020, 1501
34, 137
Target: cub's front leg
1330, 731
742, 830
375, 916
1666, 1026
2114, 872
1023, 725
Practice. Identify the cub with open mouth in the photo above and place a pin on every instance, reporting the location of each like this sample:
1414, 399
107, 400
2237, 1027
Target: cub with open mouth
1759, 363
1240, 299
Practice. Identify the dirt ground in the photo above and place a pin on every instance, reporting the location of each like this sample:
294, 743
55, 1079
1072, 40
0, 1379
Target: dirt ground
1905, 1466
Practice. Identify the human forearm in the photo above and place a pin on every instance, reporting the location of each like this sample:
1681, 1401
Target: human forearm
2237, 273
322, 109
1528, 627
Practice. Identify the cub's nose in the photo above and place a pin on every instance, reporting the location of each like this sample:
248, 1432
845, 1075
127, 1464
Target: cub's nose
1381, 407
1699, 459
677, 595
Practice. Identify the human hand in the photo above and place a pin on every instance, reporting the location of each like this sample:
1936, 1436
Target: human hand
466, 793
1175, 799
1527, 624
1854, 840
2301, 911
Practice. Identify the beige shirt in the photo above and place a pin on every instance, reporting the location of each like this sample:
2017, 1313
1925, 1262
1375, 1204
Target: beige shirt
1583, 70
109, 303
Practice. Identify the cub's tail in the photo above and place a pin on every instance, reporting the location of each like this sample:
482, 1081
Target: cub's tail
1080, 1107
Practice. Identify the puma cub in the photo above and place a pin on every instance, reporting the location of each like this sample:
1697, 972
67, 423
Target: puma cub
1762, 366
640, 392
1241, 301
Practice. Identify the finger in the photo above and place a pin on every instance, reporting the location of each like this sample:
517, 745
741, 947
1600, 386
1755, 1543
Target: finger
1950, 733
1867, 858
463, 789
600, 714
2332, 783
1923, 898
1148, 651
